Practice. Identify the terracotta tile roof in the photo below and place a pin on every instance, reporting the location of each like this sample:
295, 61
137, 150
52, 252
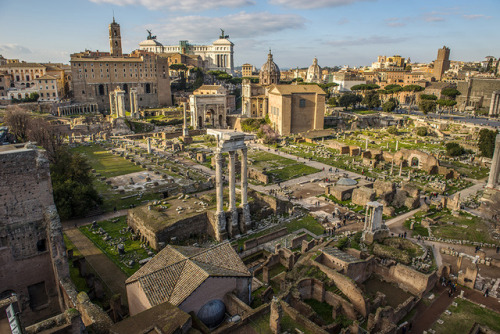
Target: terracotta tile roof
296, 89
176, 271
209, 87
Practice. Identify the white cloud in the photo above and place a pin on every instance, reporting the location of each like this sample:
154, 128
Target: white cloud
305, 4
434, 17
476, 16
13, 49
184, 5
394, 22
365, 41
239, 25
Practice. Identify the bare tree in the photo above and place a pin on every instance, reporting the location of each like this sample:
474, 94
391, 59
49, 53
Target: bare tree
45, 135
18, 120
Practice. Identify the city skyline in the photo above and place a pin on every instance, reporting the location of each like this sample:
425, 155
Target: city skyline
337, 32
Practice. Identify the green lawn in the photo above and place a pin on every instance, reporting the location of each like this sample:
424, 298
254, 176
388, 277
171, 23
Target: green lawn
465, 227
292, 172
277, 167
463, 317
107, 164
133, 249
307, 222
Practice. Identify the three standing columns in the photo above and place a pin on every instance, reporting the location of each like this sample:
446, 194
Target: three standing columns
236, 222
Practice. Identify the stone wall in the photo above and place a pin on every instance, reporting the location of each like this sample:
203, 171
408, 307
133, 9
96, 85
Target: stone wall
32, 255
407, 278
300, 319
258, 175
348, 288
181, 229
264, 238
276, 205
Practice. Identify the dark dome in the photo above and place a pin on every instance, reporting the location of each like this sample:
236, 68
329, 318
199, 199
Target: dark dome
212, 313
346, 182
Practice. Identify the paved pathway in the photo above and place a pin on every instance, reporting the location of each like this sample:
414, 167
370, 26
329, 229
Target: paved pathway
107, 270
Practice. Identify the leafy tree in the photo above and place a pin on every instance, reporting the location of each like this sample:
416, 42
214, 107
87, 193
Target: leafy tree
199, 77
364, 87
389, 106
72, 183
371, 99
452, 93
349, 99
332, 101
486, 142
454, 149
446, 103
428, 97
178, 67
422, 131
427, 106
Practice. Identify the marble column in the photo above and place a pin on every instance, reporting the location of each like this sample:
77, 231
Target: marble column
400, 168
233, 210
366, 144
495, 165
246, 219
185, 132
149, 145
397, 145
219, 188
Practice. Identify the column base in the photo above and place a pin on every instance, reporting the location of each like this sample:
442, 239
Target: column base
221, 232
246, 220
232, 224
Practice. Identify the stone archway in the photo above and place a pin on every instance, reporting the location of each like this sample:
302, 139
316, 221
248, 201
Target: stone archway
414, 162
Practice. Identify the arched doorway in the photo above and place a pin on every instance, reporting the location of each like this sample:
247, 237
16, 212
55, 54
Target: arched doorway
200, 122
220, 121
148, 88
414, 162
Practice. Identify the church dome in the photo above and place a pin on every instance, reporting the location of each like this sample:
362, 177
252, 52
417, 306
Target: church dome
212, 313
314, 72
269, 72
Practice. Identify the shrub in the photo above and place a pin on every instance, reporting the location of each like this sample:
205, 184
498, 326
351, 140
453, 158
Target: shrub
454, 149
422, 131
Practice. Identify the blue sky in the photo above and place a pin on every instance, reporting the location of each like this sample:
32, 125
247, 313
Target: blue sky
338, 32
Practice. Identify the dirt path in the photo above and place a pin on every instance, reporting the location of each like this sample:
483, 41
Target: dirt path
429, 316
71, 224
109, 273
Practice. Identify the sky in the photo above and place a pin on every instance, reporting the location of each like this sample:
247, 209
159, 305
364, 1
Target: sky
337, 32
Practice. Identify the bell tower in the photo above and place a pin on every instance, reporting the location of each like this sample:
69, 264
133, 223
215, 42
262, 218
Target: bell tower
115, 39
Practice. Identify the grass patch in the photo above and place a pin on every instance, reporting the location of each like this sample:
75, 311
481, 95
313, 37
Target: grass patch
418, 229
323, 310
463, 317
105, 163
133, 249
291, 172
80, 283
307, 222
462, 227
289, 325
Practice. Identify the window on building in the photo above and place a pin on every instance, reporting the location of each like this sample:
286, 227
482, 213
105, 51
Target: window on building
148, 88
101, 90
41, 94
302, 103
